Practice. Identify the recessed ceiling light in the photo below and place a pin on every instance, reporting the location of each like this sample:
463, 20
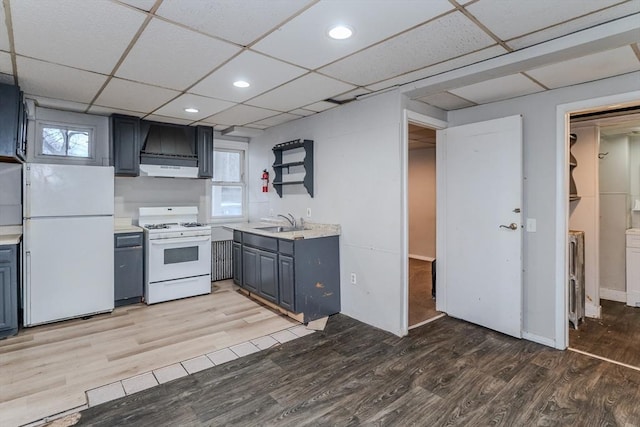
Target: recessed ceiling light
191, 110
340, 32
241, 83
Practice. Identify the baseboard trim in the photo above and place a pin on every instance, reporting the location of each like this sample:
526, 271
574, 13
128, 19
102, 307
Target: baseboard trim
422, 258
538, 339
613, 295
606, 359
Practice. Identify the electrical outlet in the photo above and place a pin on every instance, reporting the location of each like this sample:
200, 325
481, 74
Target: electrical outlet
308, 212
353, 278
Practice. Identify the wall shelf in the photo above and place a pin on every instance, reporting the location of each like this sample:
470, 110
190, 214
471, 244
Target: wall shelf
281, 167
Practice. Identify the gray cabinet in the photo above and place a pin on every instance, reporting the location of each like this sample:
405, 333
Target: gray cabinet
204, 135
125, 145
282, 166
8, 290
128, 274
13, 124
301, 276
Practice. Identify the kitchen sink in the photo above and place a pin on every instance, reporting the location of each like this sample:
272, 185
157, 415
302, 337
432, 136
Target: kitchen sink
279, 229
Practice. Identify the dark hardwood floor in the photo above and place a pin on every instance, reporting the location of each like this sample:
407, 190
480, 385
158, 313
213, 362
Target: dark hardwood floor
447, 372
616, 336
421, 305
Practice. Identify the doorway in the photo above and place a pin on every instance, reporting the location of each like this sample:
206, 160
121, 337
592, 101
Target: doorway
422, 223
607, 149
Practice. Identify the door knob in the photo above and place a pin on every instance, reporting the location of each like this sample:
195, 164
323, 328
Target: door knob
512, 226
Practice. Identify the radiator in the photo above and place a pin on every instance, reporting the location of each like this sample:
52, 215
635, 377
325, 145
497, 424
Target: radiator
221, 262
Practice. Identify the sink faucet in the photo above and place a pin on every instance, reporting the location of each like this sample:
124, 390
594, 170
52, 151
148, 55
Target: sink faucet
290, 219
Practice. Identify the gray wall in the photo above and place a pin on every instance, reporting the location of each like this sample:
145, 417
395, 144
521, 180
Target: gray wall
539, 121
10, 194
357, 185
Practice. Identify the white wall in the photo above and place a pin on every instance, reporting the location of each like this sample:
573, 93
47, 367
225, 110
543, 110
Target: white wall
422, 202
357, 154
539, 251
634, 178
584, 212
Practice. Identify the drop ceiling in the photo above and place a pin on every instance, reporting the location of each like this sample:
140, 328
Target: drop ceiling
154, 58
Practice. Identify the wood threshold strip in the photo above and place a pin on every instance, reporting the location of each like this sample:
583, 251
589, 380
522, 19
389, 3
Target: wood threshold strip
605, 359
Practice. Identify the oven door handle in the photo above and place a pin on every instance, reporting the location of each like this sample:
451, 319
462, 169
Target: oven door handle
174, 240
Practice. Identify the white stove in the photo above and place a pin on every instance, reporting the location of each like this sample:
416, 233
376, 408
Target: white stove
178, 253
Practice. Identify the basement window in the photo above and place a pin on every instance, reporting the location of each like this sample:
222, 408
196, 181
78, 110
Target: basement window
64, 141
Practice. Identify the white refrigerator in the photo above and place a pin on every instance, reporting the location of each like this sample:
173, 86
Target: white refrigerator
67, 242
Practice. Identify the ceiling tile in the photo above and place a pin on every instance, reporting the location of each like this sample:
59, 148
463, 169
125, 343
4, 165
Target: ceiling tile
240, 115
263, 73
276, 120
300, 92
90, 35
59, 104
165, 119
320, 106
239, 21
145, 5
442, 67
55, 81
587, 68
498, 89
352, 94
302, 112
372, 21
507, 21
107, 111
569, 27
5, 63
173, 57
4, 35
446, 101
206, 107
134, 96
448, 37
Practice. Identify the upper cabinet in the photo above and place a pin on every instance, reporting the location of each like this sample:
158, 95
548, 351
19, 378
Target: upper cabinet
293, 165
125, 140
204, 135
13, 124
178, 150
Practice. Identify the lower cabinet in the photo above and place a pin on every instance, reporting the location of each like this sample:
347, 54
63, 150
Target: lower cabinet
301, 276
128, 274
8, 290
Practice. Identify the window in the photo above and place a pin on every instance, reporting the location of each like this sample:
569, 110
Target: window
65, 141
228, 186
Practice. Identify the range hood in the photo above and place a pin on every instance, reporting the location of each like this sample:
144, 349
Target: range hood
168, 171
168, 150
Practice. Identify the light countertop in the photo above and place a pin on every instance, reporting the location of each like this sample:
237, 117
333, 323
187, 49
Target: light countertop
10, 234
311, 230
633, 231
125, 225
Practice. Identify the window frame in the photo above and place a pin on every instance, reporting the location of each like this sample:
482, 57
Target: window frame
234, 147
91, 130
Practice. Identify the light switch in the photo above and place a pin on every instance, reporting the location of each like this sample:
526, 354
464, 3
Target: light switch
531, 225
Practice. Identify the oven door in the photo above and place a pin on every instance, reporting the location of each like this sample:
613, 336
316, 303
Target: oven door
176, 258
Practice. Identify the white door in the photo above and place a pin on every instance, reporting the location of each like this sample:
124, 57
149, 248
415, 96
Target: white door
479, 242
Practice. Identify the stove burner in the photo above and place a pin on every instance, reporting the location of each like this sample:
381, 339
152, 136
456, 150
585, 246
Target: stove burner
191, 224
156, 226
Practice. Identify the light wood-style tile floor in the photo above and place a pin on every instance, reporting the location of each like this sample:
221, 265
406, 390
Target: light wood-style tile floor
47, 369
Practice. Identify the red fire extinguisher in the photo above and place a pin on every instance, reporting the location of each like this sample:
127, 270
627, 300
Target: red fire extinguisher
265, 181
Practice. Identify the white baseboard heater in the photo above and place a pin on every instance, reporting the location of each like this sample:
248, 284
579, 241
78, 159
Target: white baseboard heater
221, 261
